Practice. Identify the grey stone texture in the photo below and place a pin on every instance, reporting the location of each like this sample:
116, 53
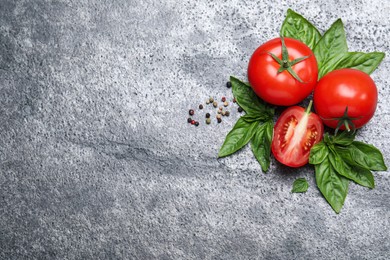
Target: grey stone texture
97, 160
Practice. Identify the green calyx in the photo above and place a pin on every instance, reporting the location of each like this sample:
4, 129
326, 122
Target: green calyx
285, 63
345, 121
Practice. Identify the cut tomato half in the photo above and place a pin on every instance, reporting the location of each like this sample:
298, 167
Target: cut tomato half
295, 133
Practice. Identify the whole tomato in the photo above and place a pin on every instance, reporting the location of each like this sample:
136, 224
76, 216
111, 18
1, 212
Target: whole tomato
345, 98
283, 71
295, 133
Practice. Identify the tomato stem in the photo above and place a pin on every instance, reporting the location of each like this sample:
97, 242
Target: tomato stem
285, 63
308, 109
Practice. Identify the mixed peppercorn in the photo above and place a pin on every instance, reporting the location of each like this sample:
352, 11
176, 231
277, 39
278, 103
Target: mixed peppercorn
220, 112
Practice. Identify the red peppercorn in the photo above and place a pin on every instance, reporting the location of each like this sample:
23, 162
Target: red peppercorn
193, 122
234, 100
223, 99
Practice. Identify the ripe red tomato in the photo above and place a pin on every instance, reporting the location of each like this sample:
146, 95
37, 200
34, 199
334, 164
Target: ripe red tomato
270, 75
344, 88
295, 133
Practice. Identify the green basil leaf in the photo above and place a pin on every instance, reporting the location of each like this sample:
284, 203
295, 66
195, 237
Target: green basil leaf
367, 156
333, 186
331, 45
359, 175
297, 27
247, 98
265, 116
366, 62
300, 185
261, 144
238, 137
344, 138
318, 153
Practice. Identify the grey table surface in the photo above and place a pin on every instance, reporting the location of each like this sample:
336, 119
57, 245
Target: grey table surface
97, 160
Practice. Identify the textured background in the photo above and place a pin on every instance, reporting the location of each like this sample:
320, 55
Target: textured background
97, 160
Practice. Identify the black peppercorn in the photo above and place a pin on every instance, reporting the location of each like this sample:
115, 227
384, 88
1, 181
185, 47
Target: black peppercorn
219, 120
240, 109
200, 106
191, 112
228, 84
207, 115
189, 120
196, 123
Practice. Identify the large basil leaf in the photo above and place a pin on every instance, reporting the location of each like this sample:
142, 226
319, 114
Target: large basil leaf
261, 144
367, 156
297, 27
330, 48
366, 62
238, 137
300, 185
247, 99
333, 186
359, 175
318, 153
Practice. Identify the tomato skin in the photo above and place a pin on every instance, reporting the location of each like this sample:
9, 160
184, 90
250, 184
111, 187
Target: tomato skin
282, 88
295, 132
345, 88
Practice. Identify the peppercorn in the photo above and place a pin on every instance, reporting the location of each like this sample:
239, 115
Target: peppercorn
207, 101
189, 120
220, 108
225, 103
227, 113
200, 106
193, 122
240, 109
196, 123
208, 120
207, 115
234, 100
223, 113
211, 100
215, 104
223, 99
219, 120
218, 116
219, 111
228, 84
191, 112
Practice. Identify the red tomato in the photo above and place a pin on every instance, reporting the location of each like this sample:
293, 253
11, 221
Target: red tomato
295, 132
344, 88
281, 87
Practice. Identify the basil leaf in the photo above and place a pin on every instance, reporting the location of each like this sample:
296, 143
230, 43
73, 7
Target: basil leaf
367, 156
318, 153
366, 62
297, 27
261, 144
238, 137
344, 138
300, 185
333, 186
247, 98
359, 175
331, 45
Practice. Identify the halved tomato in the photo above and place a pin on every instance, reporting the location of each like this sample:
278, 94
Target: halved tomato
295, 133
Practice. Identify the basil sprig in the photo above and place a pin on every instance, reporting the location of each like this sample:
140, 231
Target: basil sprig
338, 160
255, 126
331, 49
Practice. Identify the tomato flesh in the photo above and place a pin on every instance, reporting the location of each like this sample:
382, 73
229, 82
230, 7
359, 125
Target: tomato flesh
345, 88
295, 132
281, 88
